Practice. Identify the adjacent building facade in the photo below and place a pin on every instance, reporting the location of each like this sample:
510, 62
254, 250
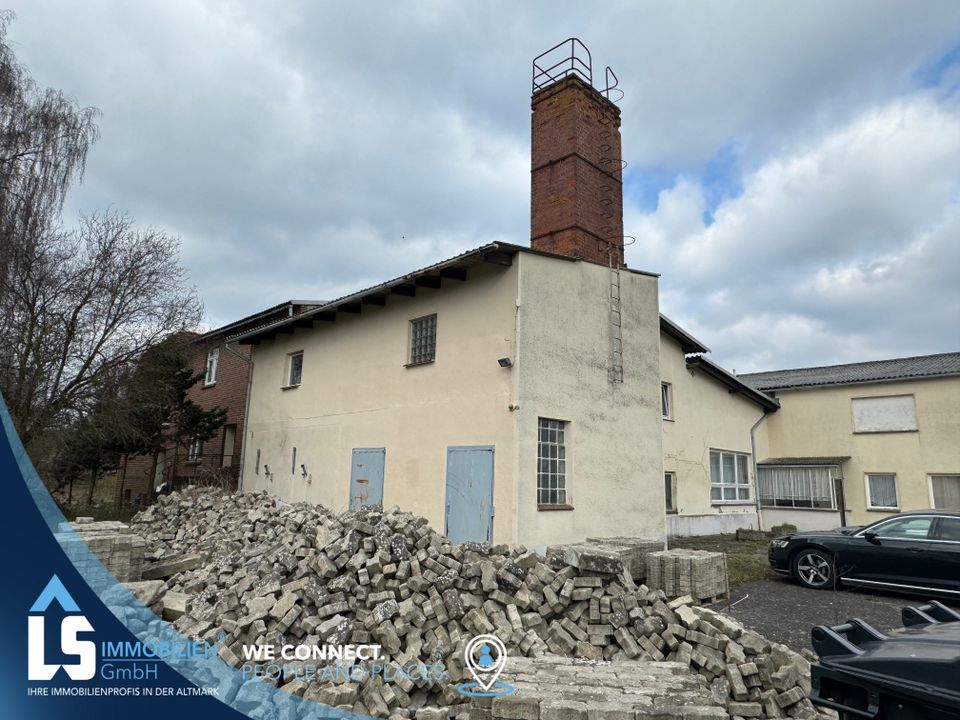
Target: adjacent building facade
868, 439
225, 381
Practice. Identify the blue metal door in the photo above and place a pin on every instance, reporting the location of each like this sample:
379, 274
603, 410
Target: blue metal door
366, 477
469, 513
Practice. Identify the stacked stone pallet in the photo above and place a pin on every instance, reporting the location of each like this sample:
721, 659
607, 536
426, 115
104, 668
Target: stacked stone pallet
267, 573
112, 542
633, 551
698, 573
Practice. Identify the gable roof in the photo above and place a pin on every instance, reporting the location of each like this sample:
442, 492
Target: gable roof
910, 368
732, 382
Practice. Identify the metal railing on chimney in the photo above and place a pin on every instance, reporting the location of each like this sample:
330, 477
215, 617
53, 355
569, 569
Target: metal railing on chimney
571, 57
560, 61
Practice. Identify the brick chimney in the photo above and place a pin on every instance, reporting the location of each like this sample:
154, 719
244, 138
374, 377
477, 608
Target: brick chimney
576, 199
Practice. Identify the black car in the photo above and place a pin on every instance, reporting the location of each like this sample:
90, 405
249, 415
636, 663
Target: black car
910, 552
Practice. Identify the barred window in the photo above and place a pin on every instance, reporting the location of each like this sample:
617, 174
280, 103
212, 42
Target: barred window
423, 339
551, 463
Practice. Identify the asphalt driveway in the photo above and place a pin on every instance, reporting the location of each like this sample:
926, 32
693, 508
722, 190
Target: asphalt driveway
783, 611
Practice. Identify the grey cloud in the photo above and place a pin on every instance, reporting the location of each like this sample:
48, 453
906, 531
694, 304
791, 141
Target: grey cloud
305, 150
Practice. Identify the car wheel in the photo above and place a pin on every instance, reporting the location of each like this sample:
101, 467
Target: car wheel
814, 569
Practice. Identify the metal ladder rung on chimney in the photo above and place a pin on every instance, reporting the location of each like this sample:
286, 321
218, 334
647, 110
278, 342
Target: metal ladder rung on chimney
615, 371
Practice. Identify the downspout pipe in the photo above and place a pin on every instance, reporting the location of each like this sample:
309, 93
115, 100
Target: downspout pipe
756, 474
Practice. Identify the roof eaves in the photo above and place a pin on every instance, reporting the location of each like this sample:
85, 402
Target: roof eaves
483, 250
734, 383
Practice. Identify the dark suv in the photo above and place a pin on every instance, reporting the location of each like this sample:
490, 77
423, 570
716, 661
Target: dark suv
910, 552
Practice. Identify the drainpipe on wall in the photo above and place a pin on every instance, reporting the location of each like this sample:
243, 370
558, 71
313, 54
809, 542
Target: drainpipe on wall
756, 475
514, 406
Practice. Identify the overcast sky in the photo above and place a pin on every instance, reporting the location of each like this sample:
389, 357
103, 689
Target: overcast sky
794, 168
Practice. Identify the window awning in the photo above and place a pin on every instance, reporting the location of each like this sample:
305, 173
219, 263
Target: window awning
818, 460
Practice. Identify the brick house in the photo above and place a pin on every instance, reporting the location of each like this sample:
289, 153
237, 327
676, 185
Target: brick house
226, 369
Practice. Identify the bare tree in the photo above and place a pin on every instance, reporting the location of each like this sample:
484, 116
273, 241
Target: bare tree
80, 305
76, 305
44, 139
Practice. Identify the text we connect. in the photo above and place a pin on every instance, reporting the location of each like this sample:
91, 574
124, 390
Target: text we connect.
312, 652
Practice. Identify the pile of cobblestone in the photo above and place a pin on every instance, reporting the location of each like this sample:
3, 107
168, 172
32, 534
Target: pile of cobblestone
251, 570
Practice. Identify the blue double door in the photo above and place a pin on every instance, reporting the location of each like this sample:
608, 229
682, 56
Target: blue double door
469, 493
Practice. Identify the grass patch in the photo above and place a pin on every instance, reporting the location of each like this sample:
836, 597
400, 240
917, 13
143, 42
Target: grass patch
123, 513
746, 559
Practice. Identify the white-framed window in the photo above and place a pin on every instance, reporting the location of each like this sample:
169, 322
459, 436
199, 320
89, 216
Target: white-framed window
294, 368
213, 360
945, 491
551, 462
666, 400
881, 491
670, 491
195, 451
798, 486
729, 477
423, 339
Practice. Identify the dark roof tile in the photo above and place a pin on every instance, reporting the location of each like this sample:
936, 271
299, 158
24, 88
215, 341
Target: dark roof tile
911, 368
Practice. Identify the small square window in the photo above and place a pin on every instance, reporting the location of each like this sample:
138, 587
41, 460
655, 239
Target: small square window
423, 340
295, 369
882, 492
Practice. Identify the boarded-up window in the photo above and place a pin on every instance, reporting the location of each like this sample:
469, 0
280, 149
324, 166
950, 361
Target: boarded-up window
946, 491
896, 413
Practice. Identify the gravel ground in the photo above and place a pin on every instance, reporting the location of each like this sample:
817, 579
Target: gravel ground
783, 611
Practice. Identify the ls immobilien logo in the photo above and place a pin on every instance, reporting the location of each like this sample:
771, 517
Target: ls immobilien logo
72, 624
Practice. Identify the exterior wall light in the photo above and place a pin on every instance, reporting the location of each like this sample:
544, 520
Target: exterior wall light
505, 362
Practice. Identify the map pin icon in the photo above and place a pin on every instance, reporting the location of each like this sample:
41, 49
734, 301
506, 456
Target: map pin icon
485, 657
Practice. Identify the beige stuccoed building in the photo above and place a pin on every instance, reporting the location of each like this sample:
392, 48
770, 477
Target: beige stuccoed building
874, 438
513, 393
709, 419
812, 447
509, 394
